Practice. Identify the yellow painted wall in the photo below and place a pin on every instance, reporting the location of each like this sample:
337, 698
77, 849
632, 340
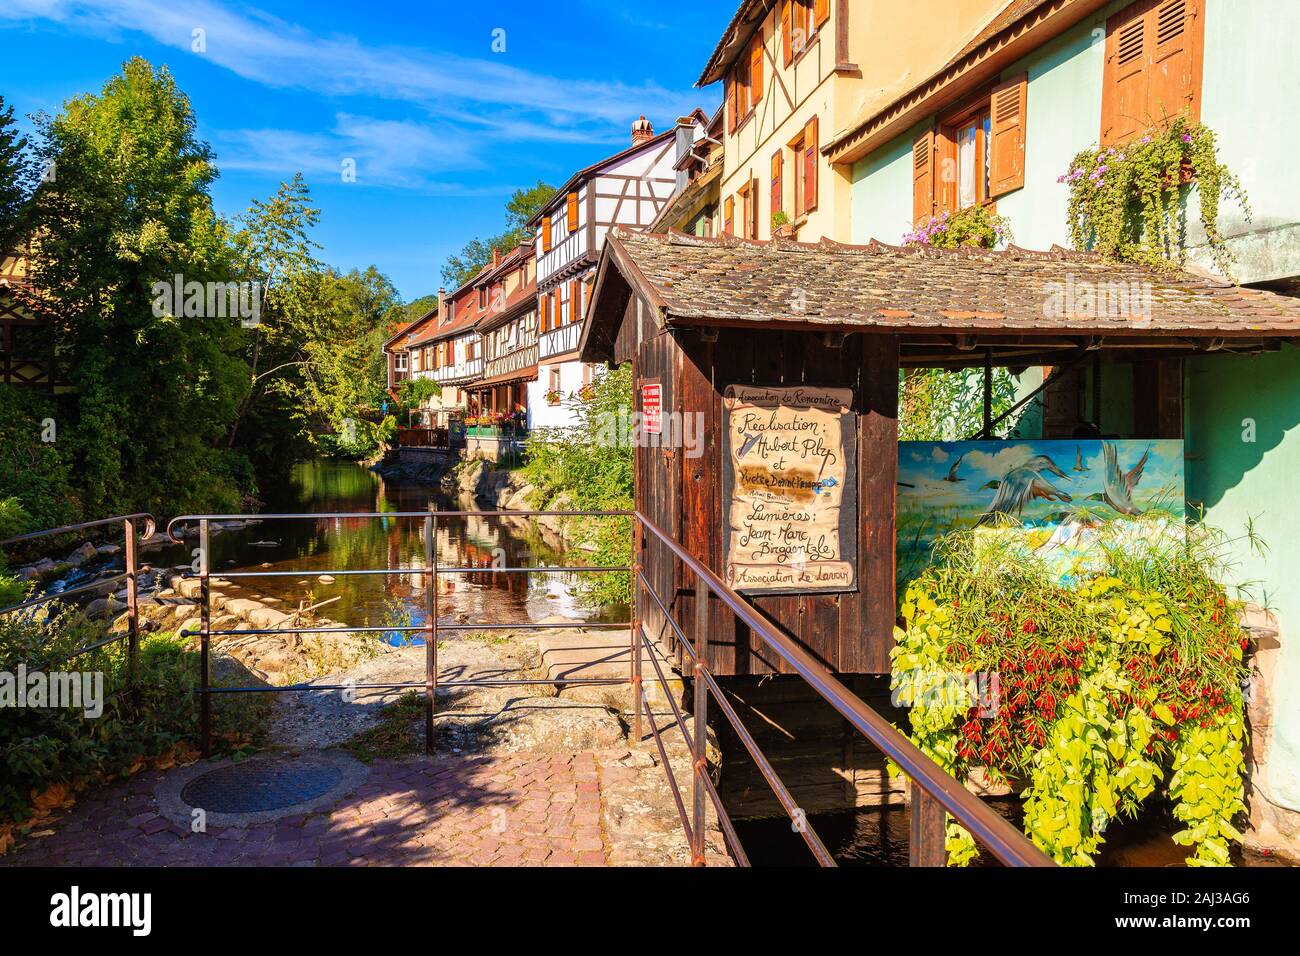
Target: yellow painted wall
895, 45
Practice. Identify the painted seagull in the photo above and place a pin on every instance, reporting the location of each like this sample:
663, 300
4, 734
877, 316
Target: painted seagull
1022, 485
952, 472
1118, 485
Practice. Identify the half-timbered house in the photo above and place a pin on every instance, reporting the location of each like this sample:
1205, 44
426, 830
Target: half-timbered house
27, 356
508, 331
627, 189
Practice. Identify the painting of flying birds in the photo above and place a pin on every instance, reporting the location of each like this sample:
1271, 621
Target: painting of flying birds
1047, 488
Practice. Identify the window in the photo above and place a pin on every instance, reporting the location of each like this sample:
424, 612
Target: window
975, 153
728, 216
572, 212
778, 184
415, 361
399, 361
482, 297
1153, 67
803, 149
554, 378
746, 194
964, 150
575, 300
800, 21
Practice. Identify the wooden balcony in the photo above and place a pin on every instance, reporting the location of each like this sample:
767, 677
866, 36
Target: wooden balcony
512, 361
559, 341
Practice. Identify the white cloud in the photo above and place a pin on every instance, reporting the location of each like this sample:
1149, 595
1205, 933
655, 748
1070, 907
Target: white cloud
273, 52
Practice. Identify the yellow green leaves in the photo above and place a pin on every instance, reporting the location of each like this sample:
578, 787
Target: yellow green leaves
1164, 713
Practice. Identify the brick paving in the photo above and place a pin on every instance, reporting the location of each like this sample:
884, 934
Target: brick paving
526, 809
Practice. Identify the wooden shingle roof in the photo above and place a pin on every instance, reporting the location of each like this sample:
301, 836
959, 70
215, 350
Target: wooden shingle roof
690, 281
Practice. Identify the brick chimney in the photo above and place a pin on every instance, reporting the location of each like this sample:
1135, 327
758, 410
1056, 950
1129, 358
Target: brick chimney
442, 304
496, 257
642, 131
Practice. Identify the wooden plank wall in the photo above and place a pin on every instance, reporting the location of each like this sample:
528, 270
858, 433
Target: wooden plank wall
850, 633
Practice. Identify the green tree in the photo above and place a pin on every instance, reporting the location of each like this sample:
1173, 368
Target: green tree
522, 205
17, 178
130, 207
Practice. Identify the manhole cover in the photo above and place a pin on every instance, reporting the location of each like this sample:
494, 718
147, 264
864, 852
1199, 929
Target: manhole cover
261, 785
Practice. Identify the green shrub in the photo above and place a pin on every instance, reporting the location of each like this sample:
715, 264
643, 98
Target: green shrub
44, 747
590, 466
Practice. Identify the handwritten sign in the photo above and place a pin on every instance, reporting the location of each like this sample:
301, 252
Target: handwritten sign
652, 407
790, 487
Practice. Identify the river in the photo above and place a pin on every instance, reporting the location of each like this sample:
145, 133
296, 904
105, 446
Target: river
331, 544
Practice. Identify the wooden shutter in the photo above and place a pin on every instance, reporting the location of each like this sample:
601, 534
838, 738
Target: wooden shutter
810, 165
756, 68
1126, 76
545, 320
557, 308
1007, 135
728, 216
787, 45
573, 212
729, 98
821, 12
546, 234
923, 177
778, 186
1174, 34
575, 300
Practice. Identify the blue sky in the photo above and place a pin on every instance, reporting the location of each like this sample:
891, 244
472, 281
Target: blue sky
441, 127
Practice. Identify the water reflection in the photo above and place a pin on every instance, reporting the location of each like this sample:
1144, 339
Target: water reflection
315, 547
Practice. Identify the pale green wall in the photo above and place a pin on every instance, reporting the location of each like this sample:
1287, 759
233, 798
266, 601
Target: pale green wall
1237, 481
882, 192
1249, 94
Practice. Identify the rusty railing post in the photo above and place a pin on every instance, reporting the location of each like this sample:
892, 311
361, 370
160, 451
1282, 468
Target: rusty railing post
929, 830
701, 720
205, 642
132, 613
635, 643
431, 628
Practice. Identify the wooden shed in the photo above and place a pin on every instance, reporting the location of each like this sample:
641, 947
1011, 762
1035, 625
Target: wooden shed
743, 345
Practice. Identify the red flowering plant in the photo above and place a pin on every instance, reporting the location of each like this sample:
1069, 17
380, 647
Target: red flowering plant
1087, 693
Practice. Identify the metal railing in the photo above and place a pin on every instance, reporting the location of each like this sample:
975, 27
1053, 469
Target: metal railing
438, 438
934, 793
130, 523
430, 629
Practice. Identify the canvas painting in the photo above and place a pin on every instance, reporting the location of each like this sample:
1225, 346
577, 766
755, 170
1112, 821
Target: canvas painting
1057, 493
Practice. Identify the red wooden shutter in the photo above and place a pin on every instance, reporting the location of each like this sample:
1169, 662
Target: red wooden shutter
778, 187
810, 165
573, 212
546, 234
546, 313
923, 177
821, 12
756, 68
1007, 135
575, 300
728, 216
729, 98
787, 46
1174, 34
1126, 76
557, 308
